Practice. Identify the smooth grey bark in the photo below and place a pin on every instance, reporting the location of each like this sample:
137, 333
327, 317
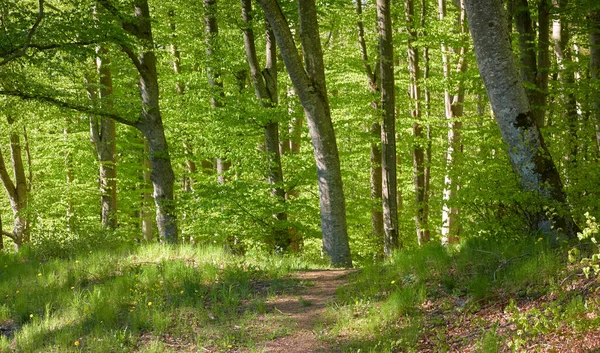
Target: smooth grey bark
389, 181
17, 189
427, 110
527, 150
311, 89
453, 103
150, 122
103, 136
422, 228
265, 87
595, 68
375, 132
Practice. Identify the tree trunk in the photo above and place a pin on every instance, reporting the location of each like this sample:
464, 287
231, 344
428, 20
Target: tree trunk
265, 86
527, 151
17, 190
453, 102
561, 38
103, 135
375, 131
418, 150
145, 215
150, 121
190, 165
311, 89
427, 100
595, 68
391, 239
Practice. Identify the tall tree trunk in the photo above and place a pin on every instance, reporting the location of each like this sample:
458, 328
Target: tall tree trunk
427, 101
103, 135
527, 151
418, 151
311, 89
214, 77
375, 131
453, 102
562, 50
265, 86
150, 122
17, 190
595, 68
190, 165
391, 239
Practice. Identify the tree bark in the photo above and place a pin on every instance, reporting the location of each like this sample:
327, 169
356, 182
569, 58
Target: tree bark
562, 50
17, 190
103, 136
190, 165
422, 227
375, 132
391, 239
311, 89
595, 68
527, 150
453, 102
265, 86
145, 214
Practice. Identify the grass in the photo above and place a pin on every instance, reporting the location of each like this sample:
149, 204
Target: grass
148, 299
153, 298
419, 294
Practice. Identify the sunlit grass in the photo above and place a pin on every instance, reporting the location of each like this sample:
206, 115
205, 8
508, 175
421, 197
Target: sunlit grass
142, 297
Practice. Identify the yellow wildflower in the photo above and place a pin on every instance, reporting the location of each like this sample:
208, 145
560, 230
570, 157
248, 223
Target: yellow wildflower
76, 343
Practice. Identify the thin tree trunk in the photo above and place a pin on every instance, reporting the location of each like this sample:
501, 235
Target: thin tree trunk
70, 177
103, 135
418, 150
562, 50
595, 68
527, 151
453, 109
265, 86
427, 96
311, 89
17, 190
375, 131
190, 165
391, 239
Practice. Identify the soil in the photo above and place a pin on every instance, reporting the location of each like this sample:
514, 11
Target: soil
306, 311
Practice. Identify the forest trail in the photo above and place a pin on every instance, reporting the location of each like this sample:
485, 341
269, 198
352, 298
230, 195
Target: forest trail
306, 311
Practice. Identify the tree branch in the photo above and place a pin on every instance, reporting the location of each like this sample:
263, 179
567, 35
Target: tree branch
129, 26
21, 52
71, 106
133, 57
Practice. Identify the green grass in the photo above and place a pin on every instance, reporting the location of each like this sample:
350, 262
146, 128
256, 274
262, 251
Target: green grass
138, 299
382, 310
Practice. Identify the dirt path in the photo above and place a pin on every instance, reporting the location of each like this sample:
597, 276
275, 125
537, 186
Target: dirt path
306, 312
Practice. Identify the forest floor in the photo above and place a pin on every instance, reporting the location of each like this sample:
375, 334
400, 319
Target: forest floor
306, 310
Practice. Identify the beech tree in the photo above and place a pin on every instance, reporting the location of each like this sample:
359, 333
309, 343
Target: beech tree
311, 89
265, 87
388, 129
527, 150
